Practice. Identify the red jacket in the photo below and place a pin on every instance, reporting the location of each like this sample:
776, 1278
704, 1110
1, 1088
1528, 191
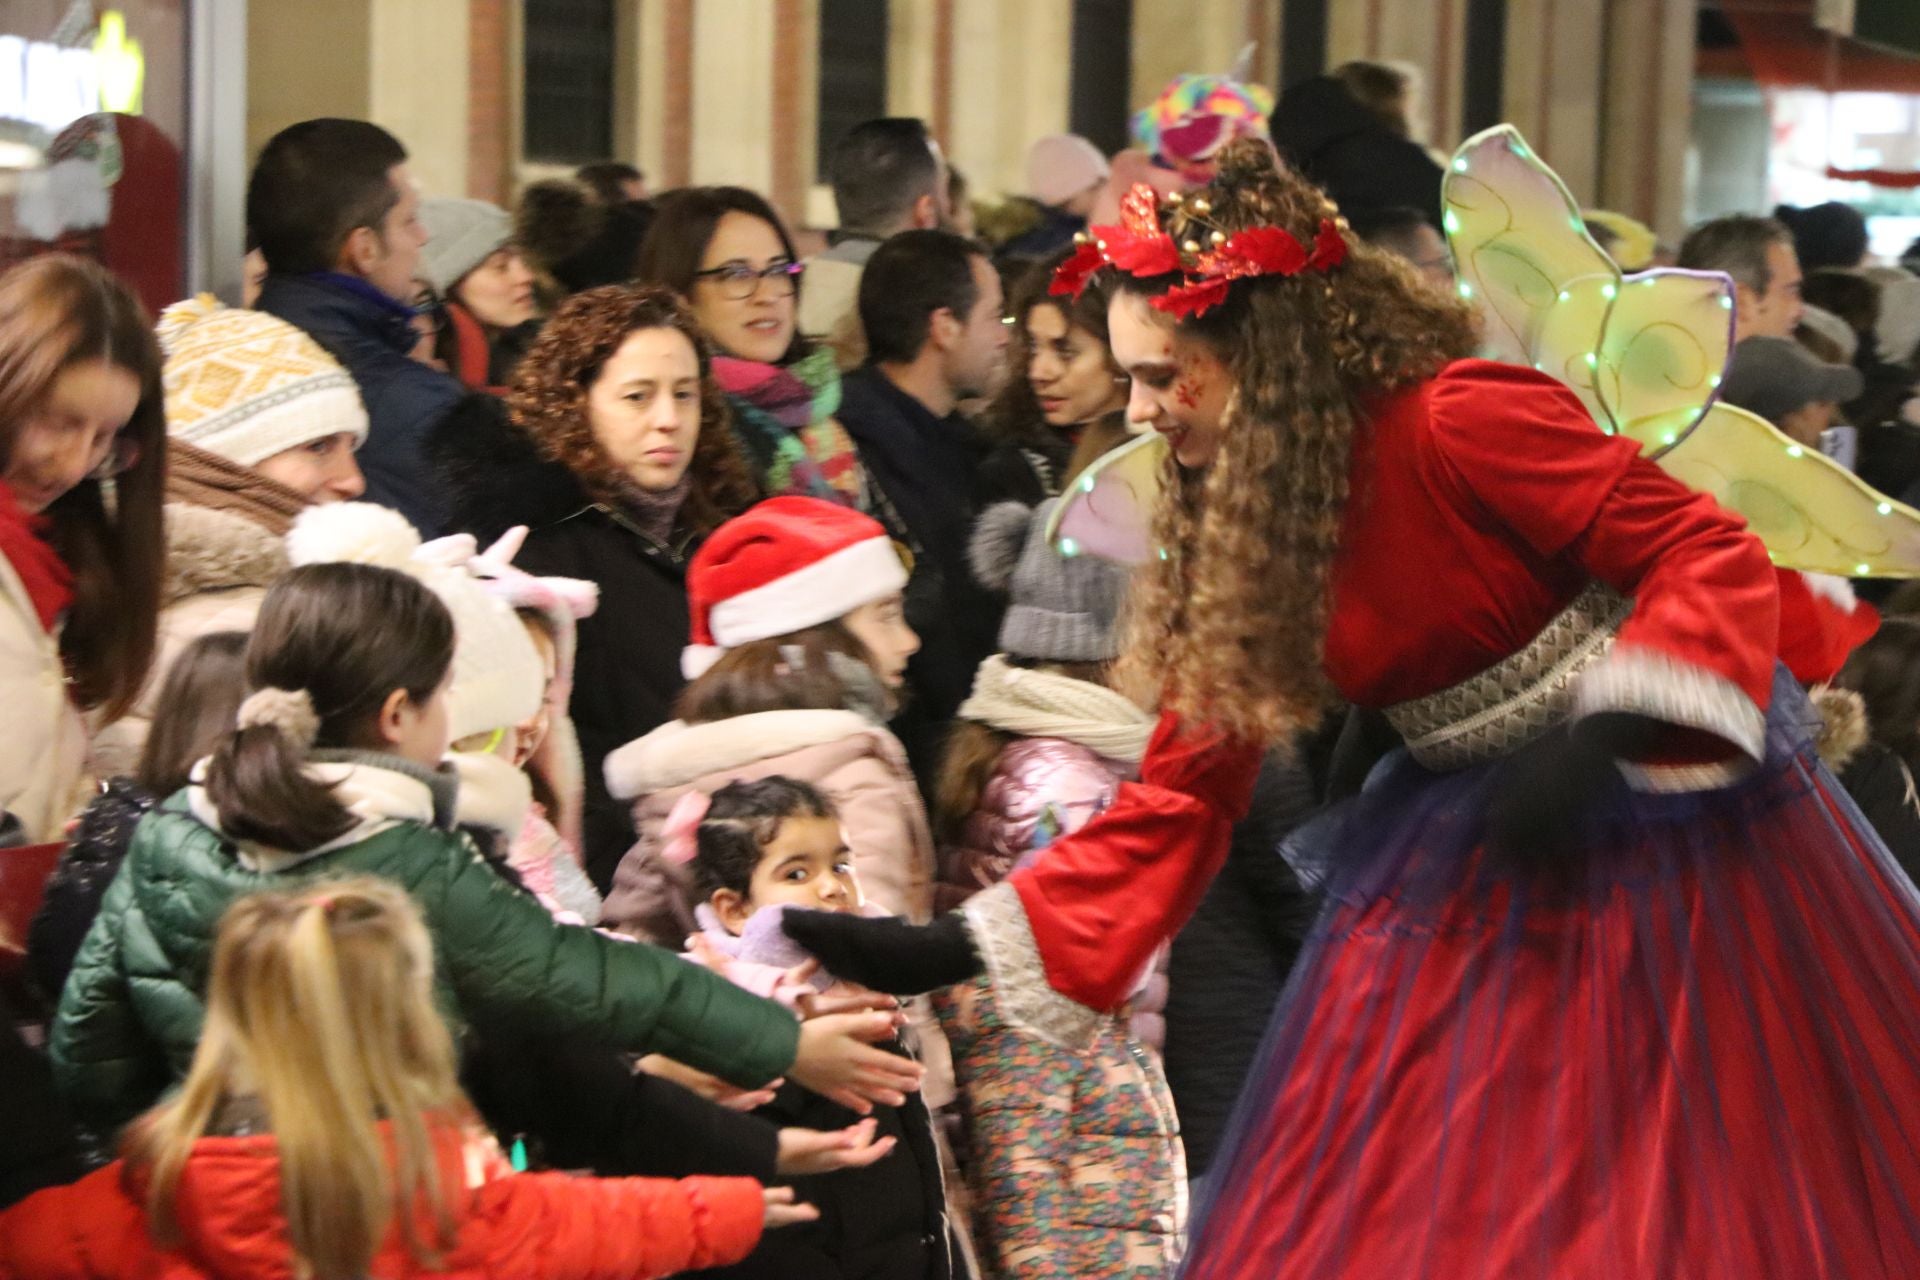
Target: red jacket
536, 1225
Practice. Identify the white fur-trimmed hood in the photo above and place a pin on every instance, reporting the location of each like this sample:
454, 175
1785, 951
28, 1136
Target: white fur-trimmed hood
677, 753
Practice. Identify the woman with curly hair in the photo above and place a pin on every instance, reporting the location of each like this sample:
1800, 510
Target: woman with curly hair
1611, 980
615, 452
1063, 401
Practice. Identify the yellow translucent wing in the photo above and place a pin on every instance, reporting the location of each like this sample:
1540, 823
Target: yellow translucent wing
1812, 513
1644, 353
1109, 510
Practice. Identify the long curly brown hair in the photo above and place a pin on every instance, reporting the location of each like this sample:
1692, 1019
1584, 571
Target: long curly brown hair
548, 399
1230, 627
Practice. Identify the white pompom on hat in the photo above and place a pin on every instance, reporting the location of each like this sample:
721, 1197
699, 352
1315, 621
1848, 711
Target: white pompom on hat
498, 677
785, 565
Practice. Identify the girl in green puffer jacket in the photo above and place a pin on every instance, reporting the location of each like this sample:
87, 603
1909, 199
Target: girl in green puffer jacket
335, 770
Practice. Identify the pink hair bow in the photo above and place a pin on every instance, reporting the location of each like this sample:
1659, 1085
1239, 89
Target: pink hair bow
678, 837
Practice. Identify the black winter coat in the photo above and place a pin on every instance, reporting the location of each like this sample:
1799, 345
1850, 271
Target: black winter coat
1231, 961
79, 881
405, 399
1340, 145
627, 667
884, 1222
1879, 782
927, 469
41, 1148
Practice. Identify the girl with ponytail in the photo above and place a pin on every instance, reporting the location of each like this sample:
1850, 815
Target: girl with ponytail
320, 1131
336, 768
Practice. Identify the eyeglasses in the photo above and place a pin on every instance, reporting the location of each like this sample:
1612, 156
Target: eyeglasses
737, 282
123, 454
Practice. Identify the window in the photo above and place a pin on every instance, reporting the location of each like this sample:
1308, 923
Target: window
568, 100
1102, 72
853, 71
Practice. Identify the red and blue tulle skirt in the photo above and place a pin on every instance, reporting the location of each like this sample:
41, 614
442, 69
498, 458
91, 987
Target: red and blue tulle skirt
1695, 1053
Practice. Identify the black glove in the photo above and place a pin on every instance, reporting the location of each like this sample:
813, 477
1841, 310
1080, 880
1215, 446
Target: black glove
1539, 818
887, 953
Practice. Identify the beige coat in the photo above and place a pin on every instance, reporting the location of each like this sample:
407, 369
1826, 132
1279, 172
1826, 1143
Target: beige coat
42, 767
219, 565
859, 765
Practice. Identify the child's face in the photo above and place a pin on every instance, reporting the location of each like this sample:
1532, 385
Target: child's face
529, 733
806, 865
881, 625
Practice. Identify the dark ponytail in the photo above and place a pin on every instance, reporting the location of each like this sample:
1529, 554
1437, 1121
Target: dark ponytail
346, 636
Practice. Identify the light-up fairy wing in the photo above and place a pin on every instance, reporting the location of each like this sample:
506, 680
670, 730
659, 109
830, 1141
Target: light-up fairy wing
1812, 513
1109, 510
1644, 353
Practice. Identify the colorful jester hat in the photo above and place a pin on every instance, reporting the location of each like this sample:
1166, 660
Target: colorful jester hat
1643, 352
1194, 116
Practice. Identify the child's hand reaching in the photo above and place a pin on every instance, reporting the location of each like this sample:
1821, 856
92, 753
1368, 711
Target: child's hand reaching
712, 1088
811, 1151
837, 1060
782, 1211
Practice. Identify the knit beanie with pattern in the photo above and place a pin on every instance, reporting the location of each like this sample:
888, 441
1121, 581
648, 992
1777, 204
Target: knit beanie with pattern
246, 385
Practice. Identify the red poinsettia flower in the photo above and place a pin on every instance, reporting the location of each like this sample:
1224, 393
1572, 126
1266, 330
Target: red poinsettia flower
1140, 210
1195, 298
1264, 251
1329, 247
1073, 274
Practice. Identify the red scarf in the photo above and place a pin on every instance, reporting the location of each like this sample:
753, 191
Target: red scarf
23, 541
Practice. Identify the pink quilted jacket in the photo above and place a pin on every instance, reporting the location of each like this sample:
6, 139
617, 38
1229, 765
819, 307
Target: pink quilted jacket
1059, 784
1036, 778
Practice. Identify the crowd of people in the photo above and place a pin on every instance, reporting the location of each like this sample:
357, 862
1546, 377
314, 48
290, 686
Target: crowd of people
575, 754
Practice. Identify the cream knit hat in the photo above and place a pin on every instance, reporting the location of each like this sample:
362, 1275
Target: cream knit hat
246, 385
498, 678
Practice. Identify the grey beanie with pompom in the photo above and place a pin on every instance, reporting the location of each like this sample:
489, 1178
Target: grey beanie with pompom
1061, 608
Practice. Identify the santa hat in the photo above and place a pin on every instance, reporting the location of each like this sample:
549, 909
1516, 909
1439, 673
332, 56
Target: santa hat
786, 565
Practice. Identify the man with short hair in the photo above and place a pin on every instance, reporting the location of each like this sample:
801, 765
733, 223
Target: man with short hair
1758, 254
888, 176
337, 219
933, 306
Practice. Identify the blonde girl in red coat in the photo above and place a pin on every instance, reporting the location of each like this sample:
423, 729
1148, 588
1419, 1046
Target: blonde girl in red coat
320, 1133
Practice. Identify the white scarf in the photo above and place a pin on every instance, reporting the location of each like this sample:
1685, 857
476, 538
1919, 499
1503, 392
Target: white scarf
1033, 703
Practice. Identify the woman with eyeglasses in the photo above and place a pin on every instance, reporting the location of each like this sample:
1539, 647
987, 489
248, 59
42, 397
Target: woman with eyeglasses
726, 252
81, 418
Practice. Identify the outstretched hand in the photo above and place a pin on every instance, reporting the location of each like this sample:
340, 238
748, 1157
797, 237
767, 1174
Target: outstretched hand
781, 1211
812, 1151
837, 1060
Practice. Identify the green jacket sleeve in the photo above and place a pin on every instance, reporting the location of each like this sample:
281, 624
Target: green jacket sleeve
104, 1061
509, 961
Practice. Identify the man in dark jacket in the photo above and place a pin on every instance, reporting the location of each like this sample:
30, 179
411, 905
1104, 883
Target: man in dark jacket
1327, 134
336, 217
932, 307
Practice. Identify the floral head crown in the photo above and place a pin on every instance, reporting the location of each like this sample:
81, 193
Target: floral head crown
1141, 247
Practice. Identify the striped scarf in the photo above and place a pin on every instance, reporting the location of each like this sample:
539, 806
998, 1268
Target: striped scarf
783, 417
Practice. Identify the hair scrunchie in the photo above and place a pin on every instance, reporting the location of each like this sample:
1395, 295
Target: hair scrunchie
290, 711
679, 835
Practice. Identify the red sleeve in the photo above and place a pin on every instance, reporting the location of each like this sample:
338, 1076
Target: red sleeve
86, 1231
1820, 625
553, 1224
1101, 901
1698, 649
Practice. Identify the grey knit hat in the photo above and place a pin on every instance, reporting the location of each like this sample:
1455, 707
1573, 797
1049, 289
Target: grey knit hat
1775, 376
1063, 609
461, 234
